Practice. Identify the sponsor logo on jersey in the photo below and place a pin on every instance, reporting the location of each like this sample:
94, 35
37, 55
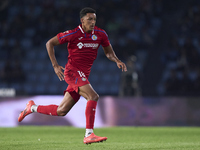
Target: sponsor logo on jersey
87, 45
80, 45
94, 37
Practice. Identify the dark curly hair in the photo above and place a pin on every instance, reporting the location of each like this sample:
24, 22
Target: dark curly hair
86, 10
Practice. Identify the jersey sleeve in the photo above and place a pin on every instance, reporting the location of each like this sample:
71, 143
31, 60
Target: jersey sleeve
105, 41
63, 37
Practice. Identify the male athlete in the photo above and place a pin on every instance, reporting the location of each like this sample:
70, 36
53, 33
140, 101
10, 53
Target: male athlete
83, 43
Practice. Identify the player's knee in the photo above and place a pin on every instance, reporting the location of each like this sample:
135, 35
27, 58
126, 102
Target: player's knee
61, 112
94, 97
97, 97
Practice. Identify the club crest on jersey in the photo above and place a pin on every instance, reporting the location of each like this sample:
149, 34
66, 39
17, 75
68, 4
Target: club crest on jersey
83, 79
94, 37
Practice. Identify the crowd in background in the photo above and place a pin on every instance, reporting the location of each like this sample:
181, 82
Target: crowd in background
27, 25
183, 54
132, 27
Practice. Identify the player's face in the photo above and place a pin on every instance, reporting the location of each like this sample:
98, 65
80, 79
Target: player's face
88, 22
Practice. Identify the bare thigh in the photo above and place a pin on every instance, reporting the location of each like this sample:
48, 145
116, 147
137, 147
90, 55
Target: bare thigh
66, 104
88, 92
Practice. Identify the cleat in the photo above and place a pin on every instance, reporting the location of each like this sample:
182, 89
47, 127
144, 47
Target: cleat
26, 111
93, 139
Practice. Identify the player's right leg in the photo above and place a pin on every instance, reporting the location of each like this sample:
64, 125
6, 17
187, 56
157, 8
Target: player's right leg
67, 103
54, 110
26, 111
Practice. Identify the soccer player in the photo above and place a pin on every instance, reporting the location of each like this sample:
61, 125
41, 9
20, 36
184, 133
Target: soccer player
83, 43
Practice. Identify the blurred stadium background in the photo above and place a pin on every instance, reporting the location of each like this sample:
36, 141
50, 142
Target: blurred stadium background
158, 40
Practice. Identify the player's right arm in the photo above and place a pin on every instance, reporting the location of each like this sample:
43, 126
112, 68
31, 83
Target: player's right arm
51, 52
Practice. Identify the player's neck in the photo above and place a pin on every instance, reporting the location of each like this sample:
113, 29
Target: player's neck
85, 30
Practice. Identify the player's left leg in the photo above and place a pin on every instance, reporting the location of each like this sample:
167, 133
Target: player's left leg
92, 97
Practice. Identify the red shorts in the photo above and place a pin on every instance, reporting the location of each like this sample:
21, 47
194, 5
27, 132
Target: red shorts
74, 78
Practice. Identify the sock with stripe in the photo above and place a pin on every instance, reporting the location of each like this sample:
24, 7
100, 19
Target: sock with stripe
48, 109
90, 116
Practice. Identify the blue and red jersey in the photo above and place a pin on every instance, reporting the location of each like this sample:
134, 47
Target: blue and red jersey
83, 47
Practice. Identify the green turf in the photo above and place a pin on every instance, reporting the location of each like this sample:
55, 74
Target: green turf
119, 138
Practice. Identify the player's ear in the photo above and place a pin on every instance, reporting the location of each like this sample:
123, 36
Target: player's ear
82, 20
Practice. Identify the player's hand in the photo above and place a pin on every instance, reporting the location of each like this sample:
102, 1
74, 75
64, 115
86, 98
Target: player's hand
59, 72
122, 66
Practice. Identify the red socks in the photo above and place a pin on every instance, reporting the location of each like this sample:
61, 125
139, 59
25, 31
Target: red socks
48, 109
90, 114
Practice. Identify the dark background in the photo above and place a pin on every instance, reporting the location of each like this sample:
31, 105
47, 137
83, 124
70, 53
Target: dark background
158, 38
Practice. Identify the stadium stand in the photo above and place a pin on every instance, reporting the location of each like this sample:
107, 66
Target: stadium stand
133, 28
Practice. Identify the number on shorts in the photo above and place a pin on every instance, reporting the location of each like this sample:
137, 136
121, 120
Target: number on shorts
81, 74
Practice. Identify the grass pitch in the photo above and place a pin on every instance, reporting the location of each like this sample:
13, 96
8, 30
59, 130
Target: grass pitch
119, 138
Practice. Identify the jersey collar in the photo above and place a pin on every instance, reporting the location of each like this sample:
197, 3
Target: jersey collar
83, 30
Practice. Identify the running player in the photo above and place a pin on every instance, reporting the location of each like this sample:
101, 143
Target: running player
83, 43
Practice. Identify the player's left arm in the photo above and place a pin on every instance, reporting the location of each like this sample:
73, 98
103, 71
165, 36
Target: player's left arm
110, 54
